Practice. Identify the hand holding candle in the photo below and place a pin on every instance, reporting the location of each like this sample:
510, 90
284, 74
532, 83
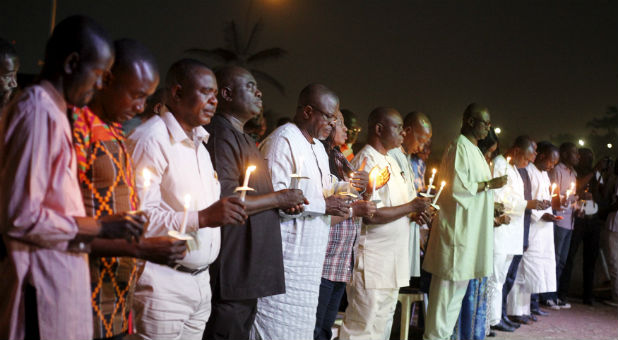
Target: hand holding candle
245, 184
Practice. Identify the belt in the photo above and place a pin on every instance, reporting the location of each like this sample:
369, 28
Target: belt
179, 267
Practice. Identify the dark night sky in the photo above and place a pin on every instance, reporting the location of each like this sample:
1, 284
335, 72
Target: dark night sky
542, 67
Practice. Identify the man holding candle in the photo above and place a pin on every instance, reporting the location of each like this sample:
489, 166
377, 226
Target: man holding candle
382, 265
174, 301
250, 264
107, 183
461, 242
563, 175
44, 288
418, 132
304, 236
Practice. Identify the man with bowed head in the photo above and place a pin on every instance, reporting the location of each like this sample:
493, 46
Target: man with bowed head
461, 242
43, 223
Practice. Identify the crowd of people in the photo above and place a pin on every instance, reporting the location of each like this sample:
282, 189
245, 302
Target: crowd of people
139, 205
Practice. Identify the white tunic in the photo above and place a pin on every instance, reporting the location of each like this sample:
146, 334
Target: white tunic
539, 260
292, 315
383, 249
415, 235
509, 238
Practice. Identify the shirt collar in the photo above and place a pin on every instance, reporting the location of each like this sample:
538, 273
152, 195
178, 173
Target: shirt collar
178, 134
54, 95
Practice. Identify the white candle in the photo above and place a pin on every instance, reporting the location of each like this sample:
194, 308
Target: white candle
183, 226
573, 188
553, 189
147, 176
374, 178
435, 200
433, 175
245, 184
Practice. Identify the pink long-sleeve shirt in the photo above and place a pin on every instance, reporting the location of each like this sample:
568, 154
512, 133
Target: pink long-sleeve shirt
39, 198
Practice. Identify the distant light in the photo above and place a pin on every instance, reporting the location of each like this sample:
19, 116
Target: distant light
497, 130
581, 142
609, 145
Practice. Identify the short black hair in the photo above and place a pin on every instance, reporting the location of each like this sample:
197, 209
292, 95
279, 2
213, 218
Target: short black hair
545, 148
180, 71
128, 52
7, 50
76, 33
522, 142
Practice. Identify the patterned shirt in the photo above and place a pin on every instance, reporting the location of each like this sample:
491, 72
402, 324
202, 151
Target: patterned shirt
342, 236
105, 174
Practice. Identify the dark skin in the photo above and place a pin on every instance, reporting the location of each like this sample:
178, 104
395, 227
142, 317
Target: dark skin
546, 162
241, 98
315, 118
521, 158
122, 97
76, 80
9, 65
193, 103
417, 135
476, 128
388, 134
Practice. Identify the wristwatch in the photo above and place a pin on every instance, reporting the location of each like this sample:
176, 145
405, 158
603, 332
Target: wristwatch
486, 185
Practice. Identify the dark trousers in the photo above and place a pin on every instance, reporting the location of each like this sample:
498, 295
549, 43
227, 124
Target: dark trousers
534, 302
562, 243
328, 306
586, 231
230, 319
510, 281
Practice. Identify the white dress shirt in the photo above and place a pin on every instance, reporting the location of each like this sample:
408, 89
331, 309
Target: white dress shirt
179, 166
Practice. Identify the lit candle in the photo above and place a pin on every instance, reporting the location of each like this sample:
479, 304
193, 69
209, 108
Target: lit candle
435, 200
245, 184
147, 177
508, 159
433, 175
568, 193
374, 178
184, 217
553, 189
573, 187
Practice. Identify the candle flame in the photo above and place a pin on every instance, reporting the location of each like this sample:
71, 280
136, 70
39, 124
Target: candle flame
147, 175
251, 168
187, 201
508, 159
443, 184
553, 186
572, 185
433, 171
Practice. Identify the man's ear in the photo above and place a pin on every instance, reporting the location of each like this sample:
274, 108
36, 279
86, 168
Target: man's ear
176, 93
226, 93
71, 63
307, 111
470, 122
378, 129
108, 78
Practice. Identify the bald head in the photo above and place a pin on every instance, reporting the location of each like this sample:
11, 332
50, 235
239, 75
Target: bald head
418, 132
316, 111
239, 95
314, 93
476, 122
385, 129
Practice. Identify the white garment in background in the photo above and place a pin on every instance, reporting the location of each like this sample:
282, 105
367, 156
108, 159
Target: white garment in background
292, 315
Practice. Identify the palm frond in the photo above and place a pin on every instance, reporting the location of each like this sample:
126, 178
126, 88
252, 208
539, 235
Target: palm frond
218, 54
263, 76
255, 31
231, 37
270, 53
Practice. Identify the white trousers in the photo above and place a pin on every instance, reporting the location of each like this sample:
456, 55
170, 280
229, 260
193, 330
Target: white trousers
445, 298
170, 304
370, 312
518, 301
494, 287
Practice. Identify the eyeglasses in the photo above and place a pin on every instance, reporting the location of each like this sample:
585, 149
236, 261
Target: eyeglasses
488, 123
331, 119
356, 129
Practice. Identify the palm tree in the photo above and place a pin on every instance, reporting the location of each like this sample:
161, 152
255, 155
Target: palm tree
239, 52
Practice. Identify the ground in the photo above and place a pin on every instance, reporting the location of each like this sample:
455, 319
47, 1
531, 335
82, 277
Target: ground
580, 322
